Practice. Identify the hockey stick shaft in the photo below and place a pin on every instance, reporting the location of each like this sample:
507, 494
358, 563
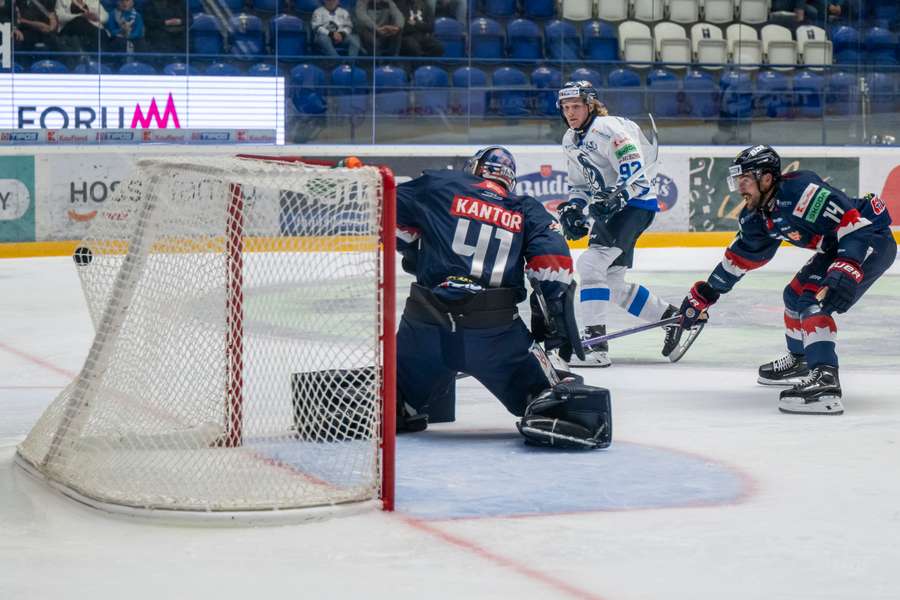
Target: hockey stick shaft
624, 332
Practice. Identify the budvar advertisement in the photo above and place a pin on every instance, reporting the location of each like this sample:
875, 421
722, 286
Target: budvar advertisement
78, 102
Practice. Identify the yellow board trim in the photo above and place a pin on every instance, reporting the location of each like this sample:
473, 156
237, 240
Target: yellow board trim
650, 239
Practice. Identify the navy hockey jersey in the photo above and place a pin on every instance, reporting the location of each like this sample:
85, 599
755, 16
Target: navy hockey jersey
808, 213
467, 226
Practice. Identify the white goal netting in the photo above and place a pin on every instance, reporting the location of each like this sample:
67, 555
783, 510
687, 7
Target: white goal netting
238, 362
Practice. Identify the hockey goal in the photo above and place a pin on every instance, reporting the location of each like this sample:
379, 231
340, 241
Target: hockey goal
243, 362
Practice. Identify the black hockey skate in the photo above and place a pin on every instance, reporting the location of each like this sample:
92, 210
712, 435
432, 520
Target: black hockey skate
787, 370
818, 394
595, 355
678, 340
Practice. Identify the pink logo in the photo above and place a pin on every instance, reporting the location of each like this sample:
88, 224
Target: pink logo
153, 113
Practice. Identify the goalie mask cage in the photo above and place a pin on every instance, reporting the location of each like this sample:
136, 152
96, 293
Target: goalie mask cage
243, 361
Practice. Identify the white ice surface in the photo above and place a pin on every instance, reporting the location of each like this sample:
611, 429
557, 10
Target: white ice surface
815, 513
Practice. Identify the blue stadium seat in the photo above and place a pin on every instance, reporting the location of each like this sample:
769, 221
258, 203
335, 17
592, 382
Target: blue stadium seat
625, 101
48, 66
451, 34
841, 94
773, 93
178, 68
885, 10
700, 93
287, 36
500, 9
247, 39
510, 92
391, 91
350, 85
92, 67
221, 69
136, 68
432, 87
736, 100
539, 9
546, 78
263, 70
600, 41
227, 6
486, 37
195, 6
524, 39
846, 45
882, 92
307, 89
469, 91
808, 87
585, 74
881, 46
205, 35
663, 87
561, 40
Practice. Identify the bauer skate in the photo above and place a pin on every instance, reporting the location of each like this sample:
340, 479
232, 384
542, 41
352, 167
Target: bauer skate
818, 394
787, 370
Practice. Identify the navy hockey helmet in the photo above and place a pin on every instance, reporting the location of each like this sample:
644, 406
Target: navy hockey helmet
495, 163
584, 90
755, 160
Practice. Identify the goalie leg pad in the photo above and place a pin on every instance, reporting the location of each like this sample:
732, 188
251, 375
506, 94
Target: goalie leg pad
569, 415
334, 404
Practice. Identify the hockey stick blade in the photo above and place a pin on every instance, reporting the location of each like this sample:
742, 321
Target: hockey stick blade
637, 329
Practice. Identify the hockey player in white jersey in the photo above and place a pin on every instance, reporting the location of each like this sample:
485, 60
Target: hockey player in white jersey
610, 179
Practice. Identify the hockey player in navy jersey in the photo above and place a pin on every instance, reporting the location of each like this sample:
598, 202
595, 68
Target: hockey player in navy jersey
853, 244
470, 242
603, 153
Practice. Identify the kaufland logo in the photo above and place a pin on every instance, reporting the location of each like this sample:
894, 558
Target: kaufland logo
108, 117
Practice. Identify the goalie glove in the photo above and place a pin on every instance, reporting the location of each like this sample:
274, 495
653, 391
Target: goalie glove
842, 280
572, 219
607, 202
700, 298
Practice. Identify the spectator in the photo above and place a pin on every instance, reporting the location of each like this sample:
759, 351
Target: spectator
36, 25
81, 24
333, 29
166, 23
380, 23
126, 29
418, 31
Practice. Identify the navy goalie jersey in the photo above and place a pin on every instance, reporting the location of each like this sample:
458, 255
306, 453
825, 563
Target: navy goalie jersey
808, 213
466, 226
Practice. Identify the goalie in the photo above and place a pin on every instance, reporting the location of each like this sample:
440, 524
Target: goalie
470, 240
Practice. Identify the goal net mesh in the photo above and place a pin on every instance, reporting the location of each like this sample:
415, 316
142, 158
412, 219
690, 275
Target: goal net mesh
237, 359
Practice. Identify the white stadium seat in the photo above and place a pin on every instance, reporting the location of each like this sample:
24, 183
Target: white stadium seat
709, 46
612, 10
779, 47
636, 43
744, 46
718, 11
672, 45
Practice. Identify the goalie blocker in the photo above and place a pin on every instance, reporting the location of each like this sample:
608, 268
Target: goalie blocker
568, 415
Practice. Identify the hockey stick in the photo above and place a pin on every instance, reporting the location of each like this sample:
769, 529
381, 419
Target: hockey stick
637, 329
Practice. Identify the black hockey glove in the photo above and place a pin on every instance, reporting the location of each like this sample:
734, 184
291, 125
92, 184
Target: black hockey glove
842, 280
701, 297
557, 328
572, 219
410, 259
607, 202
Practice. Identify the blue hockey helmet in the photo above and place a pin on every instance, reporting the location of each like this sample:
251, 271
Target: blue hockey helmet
583, 90
756, 160
496, 163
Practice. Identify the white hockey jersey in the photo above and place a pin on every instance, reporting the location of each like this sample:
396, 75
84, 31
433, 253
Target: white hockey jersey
611, 150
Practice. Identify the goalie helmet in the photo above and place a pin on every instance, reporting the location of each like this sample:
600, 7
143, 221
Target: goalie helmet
755, 160
495, 163
584, 90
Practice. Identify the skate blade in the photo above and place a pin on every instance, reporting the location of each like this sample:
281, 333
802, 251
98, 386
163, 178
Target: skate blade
687, 339
577, 364
779, 382
827, 405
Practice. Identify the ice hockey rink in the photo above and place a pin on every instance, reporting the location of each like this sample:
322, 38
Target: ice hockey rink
707, 492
